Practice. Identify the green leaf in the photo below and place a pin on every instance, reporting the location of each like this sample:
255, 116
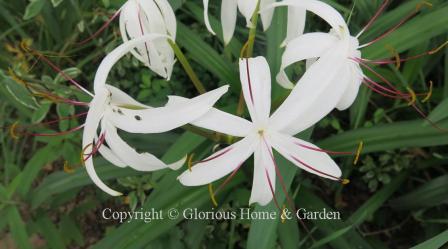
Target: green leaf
435, 242
17, 228
70, 231
430, 194
71, 72
439, 113
40, 113
33, 9
17, 92
50, 232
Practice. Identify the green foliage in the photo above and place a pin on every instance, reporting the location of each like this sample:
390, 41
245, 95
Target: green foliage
398, 192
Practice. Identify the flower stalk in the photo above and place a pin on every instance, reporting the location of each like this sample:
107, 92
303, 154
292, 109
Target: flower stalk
187, 67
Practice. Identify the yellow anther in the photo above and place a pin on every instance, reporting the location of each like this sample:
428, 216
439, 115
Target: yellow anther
358, 152
413, 96
438, 48
345, 181
282, 216
429, 94
67, 168
212, 195
126, 200
422, 4
12, 130
25, 44
190, 161
82, 158
396, 56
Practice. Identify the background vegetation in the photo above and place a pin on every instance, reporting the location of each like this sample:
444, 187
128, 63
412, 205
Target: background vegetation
398, 193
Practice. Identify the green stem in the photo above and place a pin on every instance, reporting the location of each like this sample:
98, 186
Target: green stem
252, 33
187, 67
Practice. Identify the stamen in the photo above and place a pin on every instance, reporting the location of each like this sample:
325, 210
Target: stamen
428, 96
404, 20
413, 96
190, 161
316, 170
67, 168
57, 133
216, 156
324, 151
345, 181
374, 18
413, 57
358, 152
227, 180
102, 28
396, 55
212, 195
12, 130
369, 84
55, 68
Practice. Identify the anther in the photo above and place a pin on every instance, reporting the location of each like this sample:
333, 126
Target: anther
67, 168
413, 96
358, 152
429, 94
212, 195
190, 161
345, 181
12, 130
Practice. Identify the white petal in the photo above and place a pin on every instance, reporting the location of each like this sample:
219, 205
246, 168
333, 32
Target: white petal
255, 77
128, 155
165, 118
219, 164
168, 16
92, 121
315, 95
228, 19
311, 45
247, 8
352, 89
296, 24
316, 162
325, 11
112, 58
206, 19
218, 121
266, 16
264, 166
120, 98
110, 156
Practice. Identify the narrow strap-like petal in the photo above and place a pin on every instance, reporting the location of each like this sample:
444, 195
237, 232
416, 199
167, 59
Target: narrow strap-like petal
92, 122
296, 23
120, 98
206, 19
264, 166
355, 79
266, 16
218, 121
255, 77
247, 8
313, 161
229, 9
219, 164
113, 57
325, 11
307, 46
165, 118
168, 16
128, 155
316, 93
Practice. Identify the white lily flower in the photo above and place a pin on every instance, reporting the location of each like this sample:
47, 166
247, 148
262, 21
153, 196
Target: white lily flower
142, 17
229, 9
319, 46
111, 109
264, 133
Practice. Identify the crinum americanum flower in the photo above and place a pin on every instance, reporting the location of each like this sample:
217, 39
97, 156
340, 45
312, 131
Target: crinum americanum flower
344, 50
142, 17
112, 109
229, 11
263, 134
